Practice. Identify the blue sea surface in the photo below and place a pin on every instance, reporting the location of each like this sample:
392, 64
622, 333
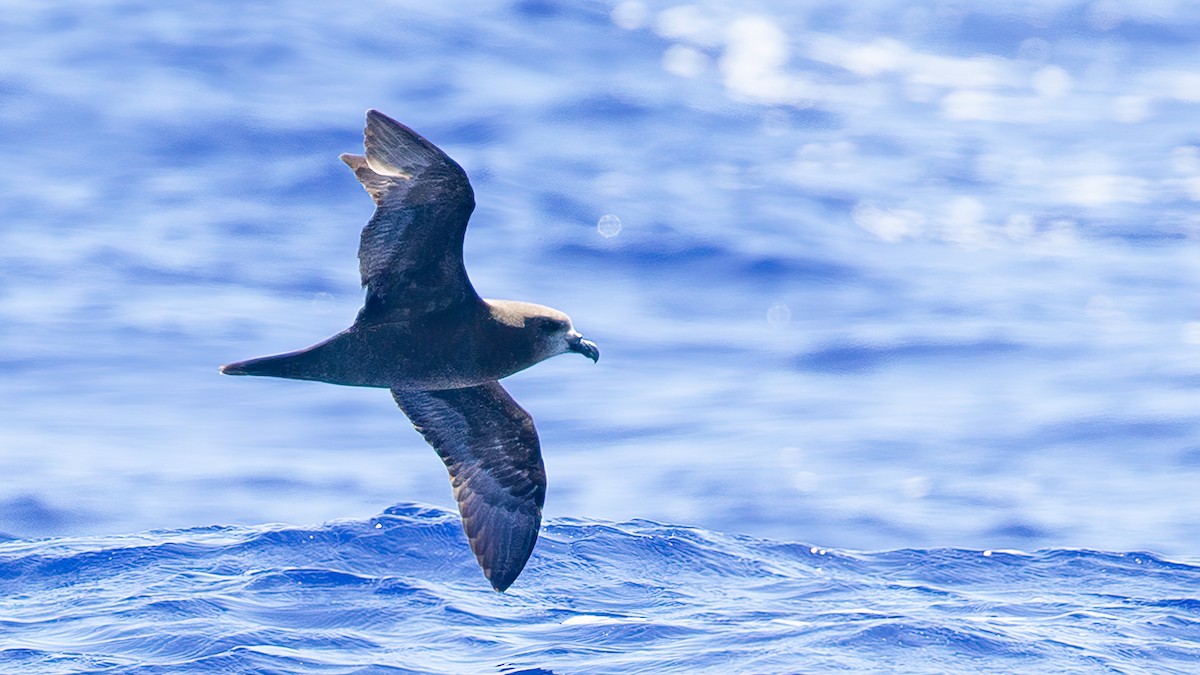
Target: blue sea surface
914, 284
400, 594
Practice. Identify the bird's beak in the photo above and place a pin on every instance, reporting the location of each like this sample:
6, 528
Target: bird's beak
577, 344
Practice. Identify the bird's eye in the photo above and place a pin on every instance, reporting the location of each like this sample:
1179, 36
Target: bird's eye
552, 326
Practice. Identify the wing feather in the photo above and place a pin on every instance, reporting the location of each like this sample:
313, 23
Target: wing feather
410, 253
491, 449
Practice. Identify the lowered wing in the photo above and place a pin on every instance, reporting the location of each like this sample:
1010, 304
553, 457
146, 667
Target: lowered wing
491, 449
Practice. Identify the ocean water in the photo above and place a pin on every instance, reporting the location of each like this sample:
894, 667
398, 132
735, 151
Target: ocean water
897, 305
394, 594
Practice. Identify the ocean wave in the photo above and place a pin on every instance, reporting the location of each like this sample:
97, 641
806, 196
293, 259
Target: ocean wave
401, 593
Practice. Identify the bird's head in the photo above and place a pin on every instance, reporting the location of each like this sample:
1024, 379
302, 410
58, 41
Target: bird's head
555, 335
544, 331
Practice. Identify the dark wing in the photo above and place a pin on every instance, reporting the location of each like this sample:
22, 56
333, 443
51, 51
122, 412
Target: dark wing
411, 252
491, 448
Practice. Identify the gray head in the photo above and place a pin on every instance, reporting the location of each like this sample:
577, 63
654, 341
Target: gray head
548, 330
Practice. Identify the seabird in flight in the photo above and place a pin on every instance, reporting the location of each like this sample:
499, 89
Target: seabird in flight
425, 333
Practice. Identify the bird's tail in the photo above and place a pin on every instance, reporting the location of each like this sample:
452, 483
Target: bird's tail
338, 360
305, 364
279, 365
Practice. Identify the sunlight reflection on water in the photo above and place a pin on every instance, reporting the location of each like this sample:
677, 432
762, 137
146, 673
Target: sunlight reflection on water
949, 252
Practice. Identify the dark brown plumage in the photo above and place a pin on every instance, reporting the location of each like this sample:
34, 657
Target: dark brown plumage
424, 333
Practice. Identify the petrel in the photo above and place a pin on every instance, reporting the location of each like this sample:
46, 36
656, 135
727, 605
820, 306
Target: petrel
424, 333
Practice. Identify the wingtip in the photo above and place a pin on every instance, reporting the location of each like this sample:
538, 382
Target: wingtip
394, 150
502, 568
501, 582
374, 115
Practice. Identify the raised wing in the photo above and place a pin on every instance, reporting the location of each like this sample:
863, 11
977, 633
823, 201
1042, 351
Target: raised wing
411, 251
491, 448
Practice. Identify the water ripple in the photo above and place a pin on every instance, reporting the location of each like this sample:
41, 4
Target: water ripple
400, 593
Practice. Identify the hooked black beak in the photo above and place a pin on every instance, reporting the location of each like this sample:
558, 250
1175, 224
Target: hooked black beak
586, 347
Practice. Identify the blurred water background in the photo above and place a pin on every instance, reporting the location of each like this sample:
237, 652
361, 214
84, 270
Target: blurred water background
875, 276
